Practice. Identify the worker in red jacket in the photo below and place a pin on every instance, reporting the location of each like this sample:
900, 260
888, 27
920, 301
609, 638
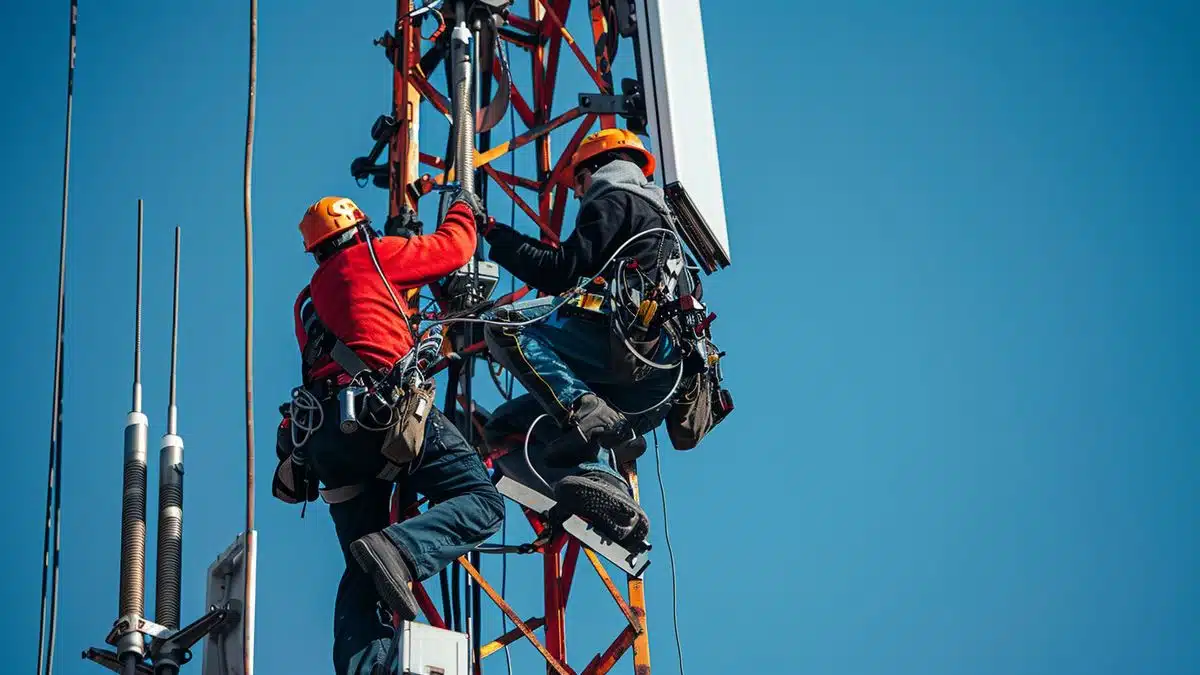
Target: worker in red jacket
357, 296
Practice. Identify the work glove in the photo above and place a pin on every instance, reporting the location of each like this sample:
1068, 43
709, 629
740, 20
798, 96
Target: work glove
491, 226
404, 225
471, 201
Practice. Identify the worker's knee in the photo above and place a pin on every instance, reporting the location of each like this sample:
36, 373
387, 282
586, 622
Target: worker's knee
491, 504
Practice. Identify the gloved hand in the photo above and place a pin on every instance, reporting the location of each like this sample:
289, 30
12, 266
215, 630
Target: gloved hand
490, 226
470, 200
404, 225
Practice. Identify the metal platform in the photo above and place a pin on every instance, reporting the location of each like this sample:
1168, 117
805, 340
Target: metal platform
515, 481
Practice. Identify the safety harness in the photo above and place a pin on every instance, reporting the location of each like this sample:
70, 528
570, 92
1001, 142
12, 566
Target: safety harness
400, 393
673, 305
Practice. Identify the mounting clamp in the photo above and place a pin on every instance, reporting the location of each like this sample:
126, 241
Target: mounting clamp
382, 131
629, 104
168, 649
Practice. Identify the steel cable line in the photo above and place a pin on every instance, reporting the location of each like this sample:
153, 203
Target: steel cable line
54, 471
251, 543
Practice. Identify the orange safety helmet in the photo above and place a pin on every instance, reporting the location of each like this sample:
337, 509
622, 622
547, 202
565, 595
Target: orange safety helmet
327, 217
613, 139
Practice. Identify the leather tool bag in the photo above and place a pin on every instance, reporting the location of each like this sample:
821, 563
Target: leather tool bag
690, 417
404, 439
625, 364
700, 405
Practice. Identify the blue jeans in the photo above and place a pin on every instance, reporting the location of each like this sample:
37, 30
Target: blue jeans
465, 509
562, 358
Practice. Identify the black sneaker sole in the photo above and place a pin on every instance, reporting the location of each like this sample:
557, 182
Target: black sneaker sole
394, 591
614, 514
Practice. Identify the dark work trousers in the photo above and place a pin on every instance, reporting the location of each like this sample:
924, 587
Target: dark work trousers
466, 510
562, 358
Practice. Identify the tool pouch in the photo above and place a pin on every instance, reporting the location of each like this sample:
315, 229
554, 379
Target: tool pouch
293, 484
404, 439
690, 418
699, 407
627, 366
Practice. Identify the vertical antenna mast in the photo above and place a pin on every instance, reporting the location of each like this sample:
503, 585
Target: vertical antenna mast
464, 119
54, 477
130, 643
169, 561
169, 645
251, 536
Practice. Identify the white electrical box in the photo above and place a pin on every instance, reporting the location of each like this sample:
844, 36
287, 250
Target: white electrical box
674, 74
426, 650
223, 652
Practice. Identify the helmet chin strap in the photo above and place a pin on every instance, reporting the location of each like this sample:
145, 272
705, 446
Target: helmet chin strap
344, 240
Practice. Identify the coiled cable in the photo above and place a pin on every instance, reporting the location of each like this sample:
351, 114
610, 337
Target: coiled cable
304, 408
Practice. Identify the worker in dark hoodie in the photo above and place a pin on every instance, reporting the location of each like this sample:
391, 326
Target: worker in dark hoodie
565, 354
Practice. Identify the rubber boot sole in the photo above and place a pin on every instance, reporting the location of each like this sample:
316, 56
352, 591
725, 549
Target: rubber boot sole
610, 511
391, 585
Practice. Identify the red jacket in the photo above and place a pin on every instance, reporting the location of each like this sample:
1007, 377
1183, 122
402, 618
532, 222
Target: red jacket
353, 303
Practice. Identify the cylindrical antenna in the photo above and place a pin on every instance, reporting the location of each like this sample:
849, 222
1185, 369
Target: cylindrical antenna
137, 324
54, 472
169, 561
130, 645
464, 118
171, 409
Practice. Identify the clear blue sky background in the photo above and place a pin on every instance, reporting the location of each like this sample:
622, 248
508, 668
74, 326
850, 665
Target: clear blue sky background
959, 318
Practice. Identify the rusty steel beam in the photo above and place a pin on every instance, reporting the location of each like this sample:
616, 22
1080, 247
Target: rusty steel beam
570, 560
518, 201
556, 609
552, 663
566, 35
516, 98
515, 180
509, 638
602, 663
612, 590
637, 592
600, 35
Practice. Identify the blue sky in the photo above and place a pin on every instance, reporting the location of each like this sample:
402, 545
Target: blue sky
964, 242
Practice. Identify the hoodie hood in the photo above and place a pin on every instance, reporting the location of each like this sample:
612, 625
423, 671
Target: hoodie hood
625, 175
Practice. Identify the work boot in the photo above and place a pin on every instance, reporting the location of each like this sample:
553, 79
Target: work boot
379, 557
605, 501
591, 420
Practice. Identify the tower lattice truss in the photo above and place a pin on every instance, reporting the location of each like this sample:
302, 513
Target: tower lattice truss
519, 51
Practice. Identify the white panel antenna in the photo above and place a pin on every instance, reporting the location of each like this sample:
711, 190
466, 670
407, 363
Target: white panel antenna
674, 72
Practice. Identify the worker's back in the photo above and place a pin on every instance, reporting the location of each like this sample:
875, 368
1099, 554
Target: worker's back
354, 305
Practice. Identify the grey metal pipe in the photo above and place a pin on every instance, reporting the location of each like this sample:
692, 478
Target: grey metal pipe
169, 561
133, 501
464, 117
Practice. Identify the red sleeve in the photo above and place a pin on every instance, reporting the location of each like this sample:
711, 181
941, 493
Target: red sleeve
417, 261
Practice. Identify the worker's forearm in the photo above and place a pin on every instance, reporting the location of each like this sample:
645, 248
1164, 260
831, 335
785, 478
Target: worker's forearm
533, 262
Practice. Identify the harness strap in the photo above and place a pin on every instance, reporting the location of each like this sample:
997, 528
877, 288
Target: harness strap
345, 493
321, 341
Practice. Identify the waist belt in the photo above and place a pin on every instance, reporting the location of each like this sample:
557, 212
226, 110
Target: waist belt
347, 492
325, 389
